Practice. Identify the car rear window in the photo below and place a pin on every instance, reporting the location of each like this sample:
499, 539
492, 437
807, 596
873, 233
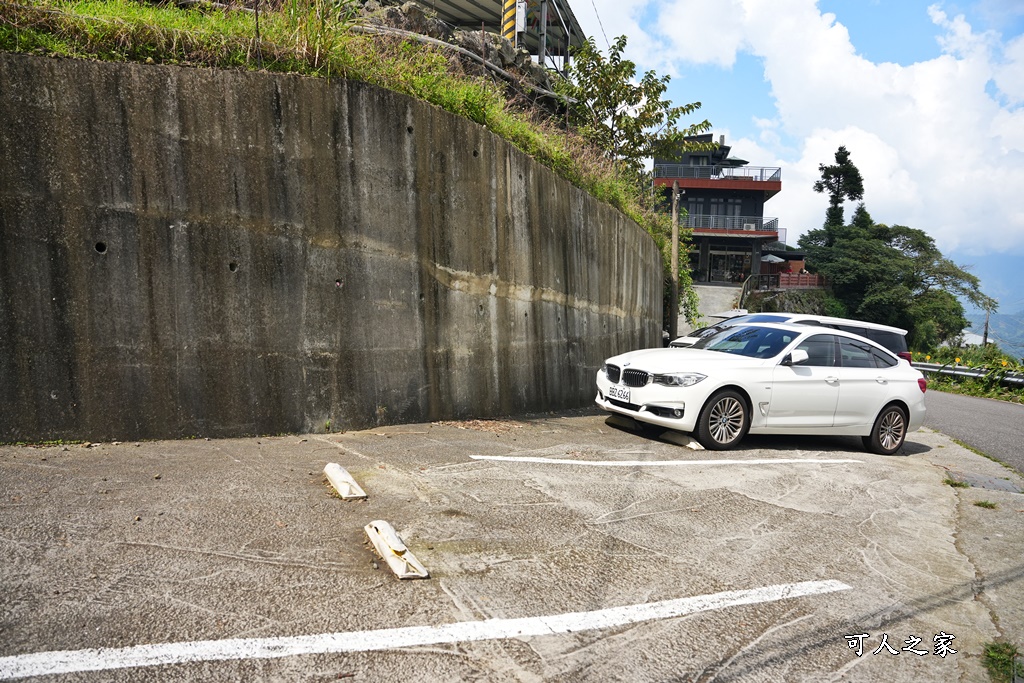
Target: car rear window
890, 340
766, 318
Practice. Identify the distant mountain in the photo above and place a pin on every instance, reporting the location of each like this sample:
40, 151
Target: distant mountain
1005, 330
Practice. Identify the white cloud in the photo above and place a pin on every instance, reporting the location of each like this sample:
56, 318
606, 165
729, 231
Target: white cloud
1009, 75
940, 142
703, 32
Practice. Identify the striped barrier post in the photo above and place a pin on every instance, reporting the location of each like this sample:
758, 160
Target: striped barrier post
508, 20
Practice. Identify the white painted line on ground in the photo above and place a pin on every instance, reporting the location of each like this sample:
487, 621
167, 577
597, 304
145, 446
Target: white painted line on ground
103, 659
665, 463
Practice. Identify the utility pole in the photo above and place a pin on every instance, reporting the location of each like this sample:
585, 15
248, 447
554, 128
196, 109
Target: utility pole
673, 311
984, 338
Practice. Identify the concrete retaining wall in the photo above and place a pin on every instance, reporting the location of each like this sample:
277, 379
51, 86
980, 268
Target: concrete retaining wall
196, 252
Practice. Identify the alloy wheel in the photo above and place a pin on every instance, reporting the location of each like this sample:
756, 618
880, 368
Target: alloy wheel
891, 429
726, 420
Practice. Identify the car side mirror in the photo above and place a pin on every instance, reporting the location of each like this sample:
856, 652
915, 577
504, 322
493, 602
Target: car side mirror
795, 357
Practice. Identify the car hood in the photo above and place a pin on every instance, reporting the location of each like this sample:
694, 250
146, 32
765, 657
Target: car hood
683, 360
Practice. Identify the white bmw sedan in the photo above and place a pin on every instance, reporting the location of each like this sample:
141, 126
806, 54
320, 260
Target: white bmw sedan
769, 379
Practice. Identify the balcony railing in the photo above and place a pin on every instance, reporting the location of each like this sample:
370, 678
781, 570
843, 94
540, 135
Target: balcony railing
749, 223
777, 281
752, 173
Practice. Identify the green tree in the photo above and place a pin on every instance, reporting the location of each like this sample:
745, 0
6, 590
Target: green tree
895, 276
841, 182
627, 119
629, 122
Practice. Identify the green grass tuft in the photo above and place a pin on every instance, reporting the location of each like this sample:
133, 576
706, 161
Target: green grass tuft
1002, 661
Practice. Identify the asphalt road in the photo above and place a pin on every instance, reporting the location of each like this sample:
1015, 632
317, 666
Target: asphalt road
996, 428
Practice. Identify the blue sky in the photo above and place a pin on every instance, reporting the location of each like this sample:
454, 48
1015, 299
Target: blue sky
927, 96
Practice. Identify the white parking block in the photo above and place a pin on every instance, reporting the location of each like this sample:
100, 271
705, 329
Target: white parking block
343, 482
680, 439
393, 551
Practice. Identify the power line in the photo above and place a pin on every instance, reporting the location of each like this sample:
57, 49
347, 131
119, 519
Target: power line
599, 23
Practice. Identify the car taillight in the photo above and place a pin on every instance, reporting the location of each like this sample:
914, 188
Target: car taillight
906, 355
923, 383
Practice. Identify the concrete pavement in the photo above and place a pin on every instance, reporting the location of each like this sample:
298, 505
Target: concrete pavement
230, 546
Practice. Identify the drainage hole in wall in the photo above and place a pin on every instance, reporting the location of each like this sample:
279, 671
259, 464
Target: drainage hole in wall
476, 153
101, 247
233, 267
337, 283
409, 129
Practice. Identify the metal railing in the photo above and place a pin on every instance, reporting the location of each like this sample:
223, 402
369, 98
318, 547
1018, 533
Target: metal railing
752, 173
706, 222
761, 282
1009, 379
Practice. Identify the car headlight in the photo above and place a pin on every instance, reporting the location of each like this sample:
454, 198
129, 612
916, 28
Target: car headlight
679, 379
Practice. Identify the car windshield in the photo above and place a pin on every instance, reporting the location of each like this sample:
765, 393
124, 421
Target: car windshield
753, 342
708, 331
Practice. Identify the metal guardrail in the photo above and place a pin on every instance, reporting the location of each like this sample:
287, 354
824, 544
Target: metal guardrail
1011, 379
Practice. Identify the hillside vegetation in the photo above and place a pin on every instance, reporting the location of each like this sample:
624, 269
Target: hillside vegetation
318, 39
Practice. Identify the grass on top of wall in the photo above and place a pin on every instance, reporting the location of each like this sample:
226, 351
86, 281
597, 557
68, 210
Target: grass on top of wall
312, 38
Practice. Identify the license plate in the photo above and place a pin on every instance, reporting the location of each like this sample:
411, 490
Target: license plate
620, 393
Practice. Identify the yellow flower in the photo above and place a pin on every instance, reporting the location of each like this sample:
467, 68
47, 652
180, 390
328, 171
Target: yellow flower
928, 357
1004, 362
958, 359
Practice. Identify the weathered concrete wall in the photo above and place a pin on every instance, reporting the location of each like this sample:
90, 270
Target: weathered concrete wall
186, 251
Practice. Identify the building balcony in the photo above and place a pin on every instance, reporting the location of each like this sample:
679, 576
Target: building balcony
766, 179
735, 226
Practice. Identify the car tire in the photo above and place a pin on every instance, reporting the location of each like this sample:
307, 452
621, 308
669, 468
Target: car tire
724, 421
888, 432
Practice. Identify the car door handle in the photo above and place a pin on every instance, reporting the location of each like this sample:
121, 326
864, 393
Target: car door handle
832, 380
881, 380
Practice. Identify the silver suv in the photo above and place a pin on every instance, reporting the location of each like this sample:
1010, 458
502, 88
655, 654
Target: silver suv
892, 338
